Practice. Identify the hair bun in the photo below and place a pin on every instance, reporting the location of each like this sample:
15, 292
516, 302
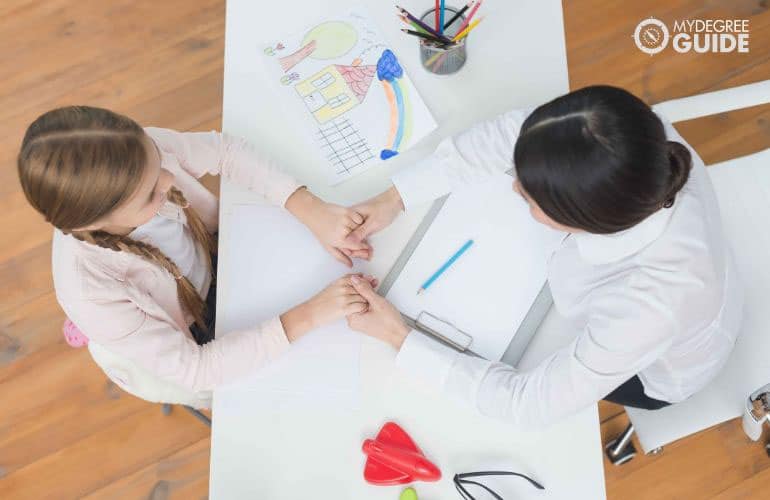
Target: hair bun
680, 162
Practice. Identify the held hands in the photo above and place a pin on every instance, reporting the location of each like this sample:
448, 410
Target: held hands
380, 319
344, 232
336, 301
352, 297
378, 213
331, 224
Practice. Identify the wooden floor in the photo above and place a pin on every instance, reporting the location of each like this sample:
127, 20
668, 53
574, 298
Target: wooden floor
65, 432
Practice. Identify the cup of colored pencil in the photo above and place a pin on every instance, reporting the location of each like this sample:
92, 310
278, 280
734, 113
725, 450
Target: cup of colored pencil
443, 34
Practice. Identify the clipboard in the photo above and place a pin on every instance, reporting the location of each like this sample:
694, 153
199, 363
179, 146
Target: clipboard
445, 331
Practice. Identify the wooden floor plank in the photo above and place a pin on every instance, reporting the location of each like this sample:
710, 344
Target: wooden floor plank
23, 228
26, 275
182, 476
608, 410
195, 96
72, 399
753, 488
146, 79
731, 458
30, 327
95, 39
725, 136
107, 454
600, 48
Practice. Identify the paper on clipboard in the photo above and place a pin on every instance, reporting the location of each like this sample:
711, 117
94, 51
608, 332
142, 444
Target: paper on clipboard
490, 289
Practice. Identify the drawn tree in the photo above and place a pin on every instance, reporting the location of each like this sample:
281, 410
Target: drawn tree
328, 40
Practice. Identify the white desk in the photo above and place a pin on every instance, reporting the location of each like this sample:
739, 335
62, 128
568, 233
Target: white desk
517, 58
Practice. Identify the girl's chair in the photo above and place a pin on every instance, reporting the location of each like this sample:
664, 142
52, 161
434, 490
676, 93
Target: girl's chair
138, 381
742, 186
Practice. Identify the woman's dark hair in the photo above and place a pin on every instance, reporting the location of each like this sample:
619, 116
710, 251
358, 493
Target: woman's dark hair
597, 159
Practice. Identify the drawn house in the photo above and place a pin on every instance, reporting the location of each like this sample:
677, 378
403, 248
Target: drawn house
335, 90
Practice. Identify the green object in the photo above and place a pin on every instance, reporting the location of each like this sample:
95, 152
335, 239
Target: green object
408, 494
332, 38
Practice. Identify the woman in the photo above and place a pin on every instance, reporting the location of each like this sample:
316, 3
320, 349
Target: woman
643, 270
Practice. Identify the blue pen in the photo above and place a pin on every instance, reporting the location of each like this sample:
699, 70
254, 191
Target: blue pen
446, 265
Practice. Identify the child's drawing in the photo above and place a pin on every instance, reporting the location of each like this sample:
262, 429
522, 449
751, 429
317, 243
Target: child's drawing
343, 146
289, 78
331, 68
326, 41
335, 89
390, 72
271, 51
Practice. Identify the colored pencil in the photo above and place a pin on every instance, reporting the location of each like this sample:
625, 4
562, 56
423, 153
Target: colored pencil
470, 16
467, 30
412, 25
437, 14
442, 57
423, 25
458, 14
425, 36
441, 19
436, 61
445, 266
421, 31
434, 57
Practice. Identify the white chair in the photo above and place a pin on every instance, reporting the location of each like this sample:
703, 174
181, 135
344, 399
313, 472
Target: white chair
743, 189
137, 380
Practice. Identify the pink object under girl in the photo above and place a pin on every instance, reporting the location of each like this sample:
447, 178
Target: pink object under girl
73, 335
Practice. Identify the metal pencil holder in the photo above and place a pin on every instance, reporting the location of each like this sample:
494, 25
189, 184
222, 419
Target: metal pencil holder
439, 59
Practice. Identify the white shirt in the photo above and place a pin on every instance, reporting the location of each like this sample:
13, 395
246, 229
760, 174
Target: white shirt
167, 231
660, 300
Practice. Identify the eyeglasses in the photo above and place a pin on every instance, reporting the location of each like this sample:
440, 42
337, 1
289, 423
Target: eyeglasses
464, 479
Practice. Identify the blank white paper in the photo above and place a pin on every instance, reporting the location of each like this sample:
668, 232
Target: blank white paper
274, 263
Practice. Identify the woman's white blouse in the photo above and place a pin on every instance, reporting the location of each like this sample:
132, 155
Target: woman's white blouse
660, 300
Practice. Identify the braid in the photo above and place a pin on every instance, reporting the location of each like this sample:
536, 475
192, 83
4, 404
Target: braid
197, 227
120, 243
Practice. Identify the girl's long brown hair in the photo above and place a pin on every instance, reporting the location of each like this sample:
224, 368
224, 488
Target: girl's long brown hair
78, 163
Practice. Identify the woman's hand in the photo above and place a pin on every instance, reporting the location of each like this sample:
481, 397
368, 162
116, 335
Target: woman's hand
380, 320
378, 212
331, 224
334, 302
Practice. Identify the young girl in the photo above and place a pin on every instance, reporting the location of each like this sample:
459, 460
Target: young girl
134, 241
643, 270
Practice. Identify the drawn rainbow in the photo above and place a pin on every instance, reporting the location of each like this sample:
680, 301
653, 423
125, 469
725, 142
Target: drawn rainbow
389, 72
